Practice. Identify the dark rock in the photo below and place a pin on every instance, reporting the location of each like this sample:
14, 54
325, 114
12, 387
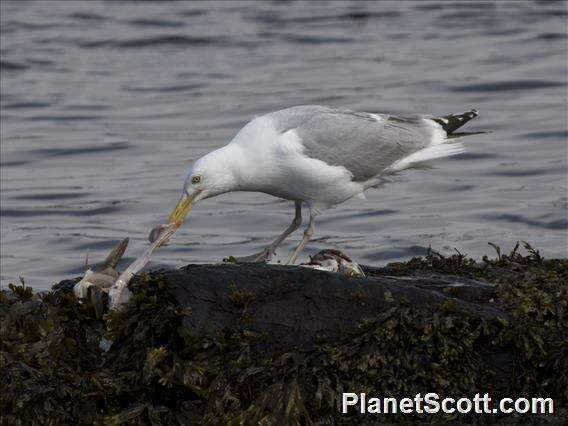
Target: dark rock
298, 308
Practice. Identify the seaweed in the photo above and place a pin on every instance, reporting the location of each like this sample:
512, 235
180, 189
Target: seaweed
160, 370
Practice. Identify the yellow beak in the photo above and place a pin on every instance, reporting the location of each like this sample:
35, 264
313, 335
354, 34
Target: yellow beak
181, 209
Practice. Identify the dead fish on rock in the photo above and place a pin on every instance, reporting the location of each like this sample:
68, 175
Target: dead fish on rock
105, 276
334, 261
95, 283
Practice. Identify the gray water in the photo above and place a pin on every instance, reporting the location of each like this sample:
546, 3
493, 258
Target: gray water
105, 105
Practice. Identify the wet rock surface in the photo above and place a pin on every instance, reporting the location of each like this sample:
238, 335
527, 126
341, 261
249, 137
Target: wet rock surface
299, 308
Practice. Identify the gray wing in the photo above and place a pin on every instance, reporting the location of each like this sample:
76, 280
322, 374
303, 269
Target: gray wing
365, 144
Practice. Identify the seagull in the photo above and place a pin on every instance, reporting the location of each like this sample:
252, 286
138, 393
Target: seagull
317, 156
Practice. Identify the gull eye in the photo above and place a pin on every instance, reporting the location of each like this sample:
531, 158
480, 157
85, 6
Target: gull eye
195, 179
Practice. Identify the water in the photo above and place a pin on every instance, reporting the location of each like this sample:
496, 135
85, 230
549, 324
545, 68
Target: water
105, 105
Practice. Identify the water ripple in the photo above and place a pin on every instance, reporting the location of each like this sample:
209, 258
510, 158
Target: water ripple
305, 38
65, 117
164, 40
164, 89
13, 66
86, 16
557, 224
159, 23
274, 18
35, 212
60, 152
503, 86
50, 196
560, 134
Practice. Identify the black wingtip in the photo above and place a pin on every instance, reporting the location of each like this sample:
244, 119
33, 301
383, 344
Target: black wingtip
451, 122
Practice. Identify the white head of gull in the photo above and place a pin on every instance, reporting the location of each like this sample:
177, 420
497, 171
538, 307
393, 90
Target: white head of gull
316, 156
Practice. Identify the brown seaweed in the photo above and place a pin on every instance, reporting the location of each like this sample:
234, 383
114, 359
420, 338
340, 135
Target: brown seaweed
160, 371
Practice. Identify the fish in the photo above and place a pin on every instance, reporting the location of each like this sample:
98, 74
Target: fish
334, 261
94, 283
105, 276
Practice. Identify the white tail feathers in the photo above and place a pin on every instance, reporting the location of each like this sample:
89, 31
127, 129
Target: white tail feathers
425, 154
